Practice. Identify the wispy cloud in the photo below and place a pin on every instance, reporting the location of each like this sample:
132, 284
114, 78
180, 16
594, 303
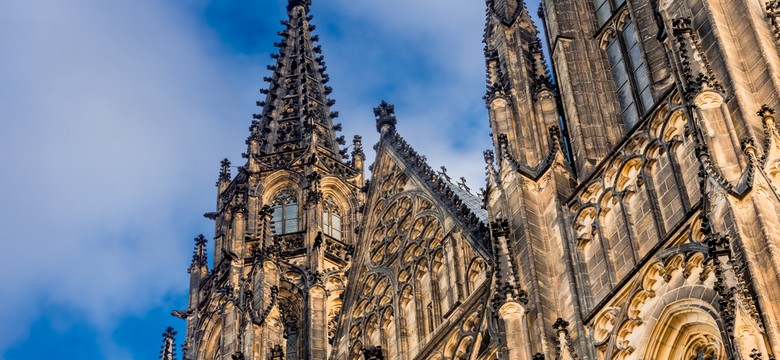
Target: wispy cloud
426, 58
112, 116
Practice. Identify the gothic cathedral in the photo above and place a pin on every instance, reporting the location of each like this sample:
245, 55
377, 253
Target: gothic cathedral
631, 209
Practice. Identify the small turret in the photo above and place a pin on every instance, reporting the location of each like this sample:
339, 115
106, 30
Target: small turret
199, 268
224, 175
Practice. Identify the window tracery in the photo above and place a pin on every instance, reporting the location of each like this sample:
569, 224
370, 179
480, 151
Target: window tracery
285, 213
619, 38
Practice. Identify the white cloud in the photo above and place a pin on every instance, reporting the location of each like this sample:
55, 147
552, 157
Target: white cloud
440, 110
113, 115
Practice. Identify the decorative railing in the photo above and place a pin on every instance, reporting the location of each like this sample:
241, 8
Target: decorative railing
337, 248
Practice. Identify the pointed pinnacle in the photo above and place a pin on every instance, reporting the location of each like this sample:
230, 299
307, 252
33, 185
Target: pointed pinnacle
199, 255
168, 349
224, 173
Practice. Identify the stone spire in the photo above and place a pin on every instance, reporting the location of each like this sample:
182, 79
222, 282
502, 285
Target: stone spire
506, 10
507, 285
296, 113
168, 348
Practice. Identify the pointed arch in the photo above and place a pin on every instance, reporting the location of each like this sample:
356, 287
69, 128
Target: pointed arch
684, 330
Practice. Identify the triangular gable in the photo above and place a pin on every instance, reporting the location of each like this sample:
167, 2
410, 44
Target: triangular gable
418, 259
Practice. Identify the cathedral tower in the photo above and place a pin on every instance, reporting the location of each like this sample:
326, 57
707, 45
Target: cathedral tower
284, 224
526, 186
630, 211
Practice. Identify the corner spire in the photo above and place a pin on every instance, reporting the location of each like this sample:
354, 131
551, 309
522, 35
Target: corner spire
506, 10
507, 279
199, 256
168, 348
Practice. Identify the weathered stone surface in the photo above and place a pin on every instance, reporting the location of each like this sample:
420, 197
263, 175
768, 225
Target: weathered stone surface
630, 211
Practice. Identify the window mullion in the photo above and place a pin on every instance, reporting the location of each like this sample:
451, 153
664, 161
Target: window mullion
629, 66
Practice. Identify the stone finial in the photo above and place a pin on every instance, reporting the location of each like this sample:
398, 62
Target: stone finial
540, 11
224, 172
443, 173
291, 4
766, 111
767, 114
462, 184
560, 325
490, 156
168, 349
385, 117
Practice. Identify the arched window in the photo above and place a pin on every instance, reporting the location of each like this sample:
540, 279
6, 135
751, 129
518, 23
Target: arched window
620, 40
285, 216
331, 219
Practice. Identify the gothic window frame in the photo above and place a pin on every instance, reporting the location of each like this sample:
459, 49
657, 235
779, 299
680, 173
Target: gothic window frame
619, 38
331, 213
606, 9
285, 205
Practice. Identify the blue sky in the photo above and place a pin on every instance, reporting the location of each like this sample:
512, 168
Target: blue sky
114, 116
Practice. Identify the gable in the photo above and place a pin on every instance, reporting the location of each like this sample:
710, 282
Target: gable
416, 264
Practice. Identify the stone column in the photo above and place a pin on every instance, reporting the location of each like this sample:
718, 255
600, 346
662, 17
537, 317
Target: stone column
513, 316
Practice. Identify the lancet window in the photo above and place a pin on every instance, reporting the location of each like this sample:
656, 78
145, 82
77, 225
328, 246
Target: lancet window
605, 9
285, 215
620, 40
331, 219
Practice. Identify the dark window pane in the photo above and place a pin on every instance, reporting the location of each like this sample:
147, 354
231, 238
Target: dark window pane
647, 98
336, 221
277, 219
629, 34
630, 117
603, 12
635, 57
290, 226
625, 97
291, 211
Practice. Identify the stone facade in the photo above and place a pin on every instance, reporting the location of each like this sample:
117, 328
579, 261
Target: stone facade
630, 211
